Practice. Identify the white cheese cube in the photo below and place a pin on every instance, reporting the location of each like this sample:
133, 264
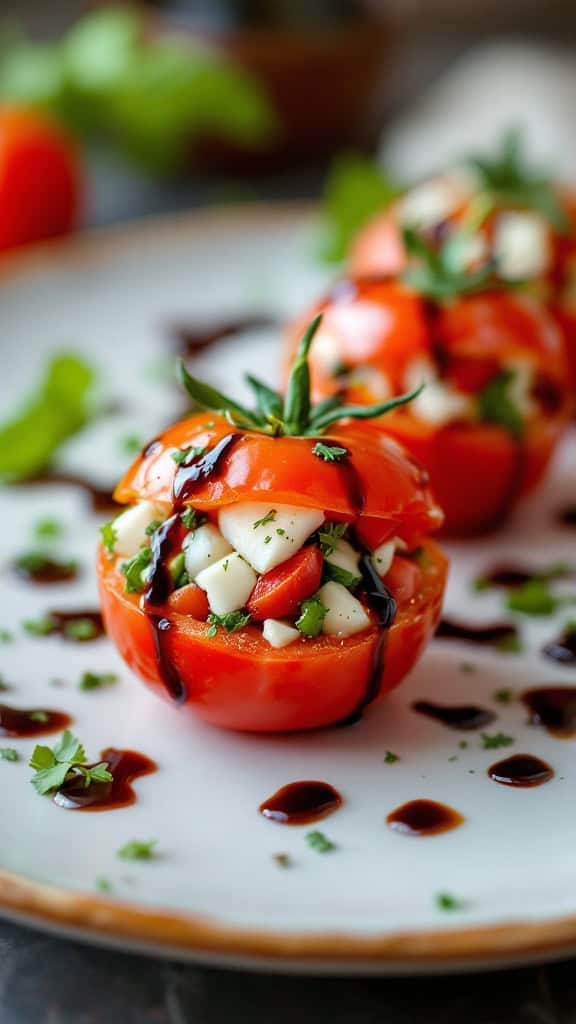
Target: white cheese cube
278, 633
437, 404
522, 247
130, 526
345, 614
228, 584
266, 535
430, 203
345, 557
204, 547
383, 556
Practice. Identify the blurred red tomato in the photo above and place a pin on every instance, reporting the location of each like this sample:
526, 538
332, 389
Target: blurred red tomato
40, 183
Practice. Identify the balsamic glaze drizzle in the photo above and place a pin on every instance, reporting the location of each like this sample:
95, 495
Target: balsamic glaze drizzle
464, 718
299, 803
192, 340
159, 589
202, 467
523, 771
424, 818
491, 635
124, 765
553, 708
23, 722
563, 648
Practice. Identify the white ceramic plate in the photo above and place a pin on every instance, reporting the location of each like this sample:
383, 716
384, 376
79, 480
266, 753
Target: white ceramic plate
214, 891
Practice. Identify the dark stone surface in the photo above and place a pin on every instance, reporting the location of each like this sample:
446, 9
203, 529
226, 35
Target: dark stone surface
51, 981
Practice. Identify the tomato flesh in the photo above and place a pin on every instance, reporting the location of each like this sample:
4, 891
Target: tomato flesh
278, 593
189, 600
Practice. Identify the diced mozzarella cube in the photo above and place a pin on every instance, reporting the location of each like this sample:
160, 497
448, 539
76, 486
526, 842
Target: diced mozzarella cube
266, 544
204, 547
279, 634
130, 526
345, 614
345, 557
383, 556
430, 203
228, 583
522, 246
521, 386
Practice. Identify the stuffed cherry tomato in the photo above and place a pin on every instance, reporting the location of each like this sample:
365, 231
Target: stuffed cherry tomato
516, 220
494, 363
256, 577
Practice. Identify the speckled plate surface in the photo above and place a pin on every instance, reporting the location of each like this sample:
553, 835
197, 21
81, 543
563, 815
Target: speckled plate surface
214, 891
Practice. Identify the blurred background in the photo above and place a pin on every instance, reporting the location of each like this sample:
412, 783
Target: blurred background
183, 102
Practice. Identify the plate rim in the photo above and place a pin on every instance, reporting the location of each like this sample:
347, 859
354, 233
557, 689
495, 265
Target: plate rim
109, 918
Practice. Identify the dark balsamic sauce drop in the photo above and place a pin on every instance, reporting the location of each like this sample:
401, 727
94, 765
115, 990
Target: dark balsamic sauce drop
151, 448
563, 648
64, 622
101, 499
567, 515
464, 718
45, 571
521, 770
202, 467
424, 818
493, 635
384, 607
300, 803
159, 589
125, 766
25, 722
507, 576
553, 708
191, 340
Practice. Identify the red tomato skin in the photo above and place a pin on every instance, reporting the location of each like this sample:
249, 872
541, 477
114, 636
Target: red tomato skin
278, 593
237, 681
403, 579
40, 190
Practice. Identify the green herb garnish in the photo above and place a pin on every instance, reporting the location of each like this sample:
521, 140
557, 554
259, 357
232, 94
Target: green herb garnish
152, 527
109, 537
135, 571
97, 680
177, 569
184, 456
447, 902
268, 518
9, 754
329, 535
39, 716
39, 627
138, 849
32, 562
231, 621
441, 274
130, 444
48, 529
496, 740
495, 404
312, 615
390, 757
191, 519
339, 575
330, 453
503, 696
66, 759
319, 842
533, 598
299, 417
60, 408
104, 884
6, 637
356, 189
509, 181
80, 629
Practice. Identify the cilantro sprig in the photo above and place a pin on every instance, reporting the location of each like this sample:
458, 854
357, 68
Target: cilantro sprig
356, 189
496, 404
295, 415
55, 766
138, 849
231, 621
440, 273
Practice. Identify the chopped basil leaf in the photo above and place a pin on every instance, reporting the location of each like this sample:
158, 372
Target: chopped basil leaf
312, 615
190, 518
495, 404
109, 536
177, 570
138, 849
135, 569
9, 754
152, 527
329, 535
533, 598
39, 627
184, 456
330, 453
318, 841
339, 575
48, 529
80, 629
231, 621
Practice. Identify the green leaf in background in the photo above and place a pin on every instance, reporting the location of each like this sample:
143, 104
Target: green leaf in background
496, 405
356, 189
149, 96
59, 409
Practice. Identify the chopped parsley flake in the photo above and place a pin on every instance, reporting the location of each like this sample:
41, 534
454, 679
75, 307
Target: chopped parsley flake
319, 842
138, 849
184, 456
390, 757
268, 518
503, 696
39, 627
130, 444
340, 575
48, 529
191, 519
496, 740
152, 527
312, 615
267, 539
533, 598
329, 536
104, 885
39, 716
510, 644
65, 760
6, 637
231, 621
281, 532
96, 681
463, 744
495, 404
330, 453
109, 536
447, 902
9, 754
80, 629
134, 570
